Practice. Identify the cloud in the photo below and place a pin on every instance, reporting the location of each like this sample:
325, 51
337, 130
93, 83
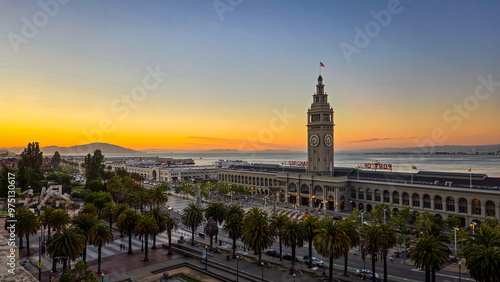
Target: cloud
370, 140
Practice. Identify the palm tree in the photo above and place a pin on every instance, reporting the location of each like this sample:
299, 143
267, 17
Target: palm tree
351, 230
277, 223
127, 221
27, 223
483, 263
257, 232
309, 225
99, 235
233, 226
482, 253
331, 241
66, 243
108, 210
192, 216
217, 211
85, 222
139, 199
119, 209
484, 236
170, 224
146, 226
429, 253
89, 208
371, 241
160, 216
211, 229
388, 241
294, 236
45, 218
158, 195
58, 219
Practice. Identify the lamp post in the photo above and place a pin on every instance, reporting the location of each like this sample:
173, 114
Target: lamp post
237, 267
294, 277
102, 277
455, 228
473, 225
459, 271
262, 272
362, 221
206, 258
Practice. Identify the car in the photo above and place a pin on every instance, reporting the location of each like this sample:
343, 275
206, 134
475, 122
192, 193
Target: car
368, 273
337, 217
289, 257
315, 261
273, 253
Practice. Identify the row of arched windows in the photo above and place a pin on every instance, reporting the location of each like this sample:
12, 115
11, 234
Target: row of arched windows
248, 180
449, 204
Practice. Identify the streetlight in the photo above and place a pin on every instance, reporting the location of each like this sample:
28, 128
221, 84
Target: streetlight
473, 225
384, 213
459, 271
237, 260
102, 277
362, 221
262, 272
294, 277
455, 228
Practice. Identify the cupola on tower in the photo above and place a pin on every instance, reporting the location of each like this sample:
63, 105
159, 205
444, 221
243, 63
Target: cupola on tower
320, 132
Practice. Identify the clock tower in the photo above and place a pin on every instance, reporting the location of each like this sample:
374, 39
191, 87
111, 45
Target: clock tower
320, 132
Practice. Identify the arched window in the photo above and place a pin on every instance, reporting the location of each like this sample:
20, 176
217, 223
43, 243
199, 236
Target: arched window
490, 208
476, 206
318, 191
427, 201
438, 203
377, 195
387, 198
395, 197
361, 194
415, 200
462, 205
369, 194
406, 198
450, 204
304, 189
292, 187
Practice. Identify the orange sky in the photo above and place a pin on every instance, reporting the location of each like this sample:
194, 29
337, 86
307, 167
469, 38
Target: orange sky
245, 81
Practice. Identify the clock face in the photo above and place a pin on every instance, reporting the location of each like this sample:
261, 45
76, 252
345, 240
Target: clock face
328, 140
314, 140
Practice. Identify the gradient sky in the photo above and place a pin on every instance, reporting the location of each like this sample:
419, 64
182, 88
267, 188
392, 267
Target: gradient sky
229, 75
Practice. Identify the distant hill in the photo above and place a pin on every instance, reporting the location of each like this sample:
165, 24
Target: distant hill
79, 149
436, 149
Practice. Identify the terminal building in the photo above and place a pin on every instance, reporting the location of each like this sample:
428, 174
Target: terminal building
161, 172
321, 185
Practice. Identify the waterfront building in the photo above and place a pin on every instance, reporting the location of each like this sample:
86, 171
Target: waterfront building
468, 196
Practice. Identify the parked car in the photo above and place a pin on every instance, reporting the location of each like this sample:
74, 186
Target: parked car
337, 217
367, 273
289, 257
273, 253
315, 261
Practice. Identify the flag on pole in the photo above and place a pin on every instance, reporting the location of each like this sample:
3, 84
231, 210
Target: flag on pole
321, 64
413, 167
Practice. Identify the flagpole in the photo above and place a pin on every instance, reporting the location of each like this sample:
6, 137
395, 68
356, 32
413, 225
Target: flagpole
470, 177
319, 67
